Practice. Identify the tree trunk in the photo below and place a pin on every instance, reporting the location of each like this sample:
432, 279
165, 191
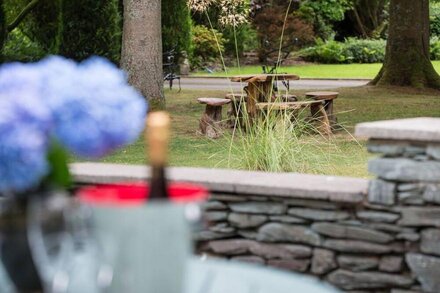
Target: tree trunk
141, 55
407, 60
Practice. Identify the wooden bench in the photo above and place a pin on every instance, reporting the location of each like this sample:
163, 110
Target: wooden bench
327, 97
316, 108
210, 123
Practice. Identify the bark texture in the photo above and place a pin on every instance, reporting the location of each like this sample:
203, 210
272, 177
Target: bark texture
141, 54
407, 60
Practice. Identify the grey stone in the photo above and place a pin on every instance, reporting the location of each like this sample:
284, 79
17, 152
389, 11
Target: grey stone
209, 235
380, 217
358, 263
222, 228
420, 216
427, 270
404, 291
421, 158
432, 193
249, 259
410, 197
230, 247
323, 261
227, 197
381, 192
391, 228
405, 169
214, 205
275, 232
433, 151
391, 264
318, 215
410, 187
412, 150
367, 280
351, 232
270, 208
246, 220
248, 234
389, 150
297, 265
216, 216
430, 242
258, 198
287, 219
412, 237
316, 204
283, 251
424, 129
354, 246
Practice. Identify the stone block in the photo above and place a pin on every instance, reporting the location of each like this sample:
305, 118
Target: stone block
358, 263
323, 261
351, 232
408, 170
216, 216
379, 217
275, 232
222, 228
391, 264
210, 235
280, 251
230, 247
314, 204
213, 205
368, 280
411, 237
426, 269
318, 215
431, 193
354, 246
297, 265
227, 197
382, 192
248, 234
420, 216
287, 219
246, 220
387, 149
418, 187
270, 208
249, 259
433, 150
430, 242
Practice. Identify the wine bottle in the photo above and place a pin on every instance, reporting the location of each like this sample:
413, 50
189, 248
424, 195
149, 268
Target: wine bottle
158, 133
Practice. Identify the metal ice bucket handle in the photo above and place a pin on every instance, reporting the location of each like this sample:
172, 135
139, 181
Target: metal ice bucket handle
67, 258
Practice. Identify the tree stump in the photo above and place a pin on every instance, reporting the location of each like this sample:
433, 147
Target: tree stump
210, 123
327, 98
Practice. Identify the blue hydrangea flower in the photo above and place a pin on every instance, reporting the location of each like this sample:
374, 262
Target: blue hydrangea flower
94, 109
24, 126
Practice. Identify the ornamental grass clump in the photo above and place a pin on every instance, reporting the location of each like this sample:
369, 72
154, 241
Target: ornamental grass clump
57, 105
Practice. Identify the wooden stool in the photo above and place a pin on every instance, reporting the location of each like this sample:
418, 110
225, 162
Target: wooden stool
324, 124
327, 98
211, 119
235, 112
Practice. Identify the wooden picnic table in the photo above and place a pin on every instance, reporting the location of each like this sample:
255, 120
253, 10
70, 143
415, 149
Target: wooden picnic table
260, 88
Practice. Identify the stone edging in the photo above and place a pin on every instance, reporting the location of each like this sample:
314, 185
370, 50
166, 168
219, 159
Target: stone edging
292, 185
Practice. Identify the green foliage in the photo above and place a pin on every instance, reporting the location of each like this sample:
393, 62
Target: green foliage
19, 47
351, 51
176, 26
245, 39
91, 27
435, 48
207, 46
323, 13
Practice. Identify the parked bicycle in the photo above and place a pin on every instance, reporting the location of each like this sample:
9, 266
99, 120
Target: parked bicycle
170, 68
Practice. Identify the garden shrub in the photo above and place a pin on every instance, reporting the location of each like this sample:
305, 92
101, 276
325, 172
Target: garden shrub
351, 51
206, 46
435, 48
19, 47
176, 26
91, 27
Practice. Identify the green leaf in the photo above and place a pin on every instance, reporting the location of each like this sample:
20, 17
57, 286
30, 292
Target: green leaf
59, 175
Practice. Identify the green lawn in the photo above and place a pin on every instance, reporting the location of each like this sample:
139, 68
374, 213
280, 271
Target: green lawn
315, 70
353, 106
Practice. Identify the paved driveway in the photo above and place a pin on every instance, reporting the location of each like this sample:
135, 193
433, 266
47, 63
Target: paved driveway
225, 84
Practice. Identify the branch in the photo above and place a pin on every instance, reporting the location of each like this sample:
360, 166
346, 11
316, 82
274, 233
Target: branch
10, 27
